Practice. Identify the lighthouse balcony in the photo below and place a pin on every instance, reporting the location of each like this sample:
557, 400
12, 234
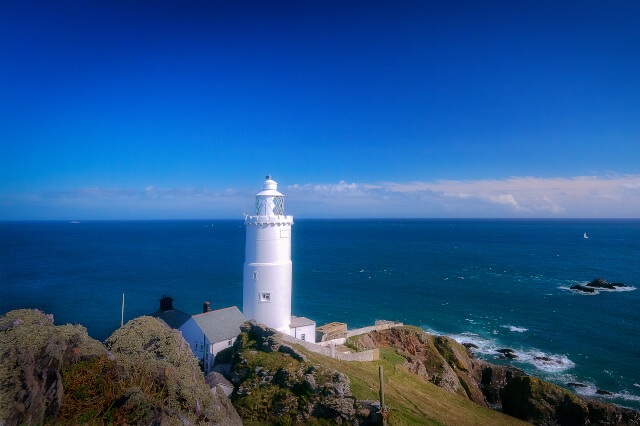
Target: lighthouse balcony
268, 220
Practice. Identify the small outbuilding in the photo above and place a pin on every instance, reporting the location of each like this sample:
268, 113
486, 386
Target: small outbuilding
207, 333
331, 331
303, 328
215, 380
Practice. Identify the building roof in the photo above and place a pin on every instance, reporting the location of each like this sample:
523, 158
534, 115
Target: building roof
300, 322
332, 327
214, 378
173, 318
222, 324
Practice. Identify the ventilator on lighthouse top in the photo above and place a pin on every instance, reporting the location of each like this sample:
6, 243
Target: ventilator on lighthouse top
267, 267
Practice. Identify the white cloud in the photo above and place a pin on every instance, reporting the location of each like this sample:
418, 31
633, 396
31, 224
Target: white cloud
579, 196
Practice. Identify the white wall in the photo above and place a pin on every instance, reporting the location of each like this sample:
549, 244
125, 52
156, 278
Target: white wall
267, 269
201, 347
309, 332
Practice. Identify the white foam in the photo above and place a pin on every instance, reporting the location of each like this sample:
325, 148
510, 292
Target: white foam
562, 287
550, 363
515, 329
591, 390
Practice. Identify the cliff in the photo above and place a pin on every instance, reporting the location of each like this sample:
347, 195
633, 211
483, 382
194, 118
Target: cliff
429, 380
145, 374
281, 383
450, 365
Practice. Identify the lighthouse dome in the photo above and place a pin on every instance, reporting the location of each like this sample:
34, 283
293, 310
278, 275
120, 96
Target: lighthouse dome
270, 188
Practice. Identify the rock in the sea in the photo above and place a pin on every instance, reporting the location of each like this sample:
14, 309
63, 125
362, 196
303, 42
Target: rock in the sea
507, 353
582, 288
576, 385
603, 392
601, 283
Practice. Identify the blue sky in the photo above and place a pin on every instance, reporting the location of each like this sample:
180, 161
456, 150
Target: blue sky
110, 110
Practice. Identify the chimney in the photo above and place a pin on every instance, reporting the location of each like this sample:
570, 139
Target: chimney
206, 307
166, 303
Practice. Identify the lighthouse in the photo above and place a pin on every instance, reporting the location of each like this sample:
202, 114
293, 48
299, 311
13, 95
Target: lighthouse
266, 287
267, 266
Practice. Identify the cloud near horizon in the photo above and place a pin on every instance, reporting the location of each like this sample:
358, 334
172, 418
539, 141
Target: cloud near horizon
575, 197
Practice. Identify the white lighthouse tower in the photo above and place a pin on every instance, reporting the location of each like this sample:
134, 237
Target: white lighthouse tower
267, 266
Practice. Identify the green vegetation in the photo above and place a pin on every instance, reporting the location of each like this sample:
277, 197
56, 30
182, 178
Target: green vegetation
352, 343
413, 400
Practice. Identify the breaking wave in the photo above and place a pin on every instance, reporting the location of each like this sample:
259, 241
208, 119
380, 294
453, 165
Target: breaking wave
543, 361
589, 389
515, 329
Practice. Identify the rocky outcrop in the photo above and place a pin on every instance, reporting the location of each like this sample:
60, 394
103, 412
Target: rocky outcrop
58, 374
544, 403
166, 366
33, 353
275, 382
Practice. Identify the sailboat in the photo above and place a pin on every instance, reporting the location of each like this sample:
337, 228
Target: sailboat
585, 235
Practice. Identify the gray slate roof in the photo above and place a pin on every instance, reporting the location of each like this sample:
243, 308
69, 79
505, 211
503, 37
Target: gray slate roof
214, 378
222, 324
300, 322
172, 318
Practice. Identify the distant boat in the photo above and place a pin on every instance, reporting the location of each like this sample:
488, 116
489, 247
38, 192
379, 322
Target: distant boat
585, 235
74, 221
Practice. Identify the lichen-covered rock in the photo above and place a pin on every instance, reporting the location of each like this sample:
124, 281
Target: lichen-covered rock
58, 374
275, 382
492, 378
544, 403
540, 402
33, 351
161, 355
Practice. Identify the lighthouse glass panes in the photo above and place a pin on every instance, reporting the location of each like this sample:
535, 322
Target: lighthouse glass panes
270, 205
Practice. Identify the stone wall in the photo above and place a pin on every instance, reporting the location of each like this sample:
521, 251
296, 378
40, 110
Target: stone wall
377, 327
370, 355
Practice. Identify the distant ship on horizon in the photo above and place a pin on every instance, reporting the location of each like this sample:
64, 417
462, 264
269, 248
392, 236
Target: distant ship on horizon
585, 235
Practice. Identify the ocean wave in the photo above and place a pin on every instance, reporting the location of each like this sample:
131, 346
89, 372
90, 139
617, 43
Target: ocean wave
589, 389
515, 329
543, 361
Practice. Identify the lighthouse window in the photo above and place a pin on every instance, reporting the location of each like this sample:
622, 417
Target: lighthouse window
265, 297
255, 275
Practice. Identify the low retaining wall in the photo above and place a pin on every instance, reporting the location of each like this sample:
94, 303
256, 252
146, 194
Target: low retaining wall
378, 327
330, 351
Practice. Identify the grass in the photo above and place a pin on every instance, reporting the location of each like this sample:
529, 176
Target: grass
413, 400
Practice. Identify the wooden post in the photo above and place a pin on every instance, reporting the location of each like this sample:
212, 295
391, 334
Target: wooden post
383, 412
122, 316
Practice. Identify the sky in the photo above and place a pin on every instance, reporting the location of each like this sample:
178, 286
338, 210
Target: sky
177, 110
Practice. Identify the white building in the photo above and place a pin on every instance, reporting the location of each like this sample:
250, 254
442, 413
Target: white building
267, 268
207, 333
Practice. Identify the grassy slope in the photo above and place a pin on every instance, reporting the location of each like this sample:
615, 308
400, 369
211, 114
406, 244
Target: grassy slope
414, 401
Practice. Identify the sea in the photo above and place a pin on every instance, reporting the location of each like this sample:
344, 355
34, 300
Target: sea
493, 283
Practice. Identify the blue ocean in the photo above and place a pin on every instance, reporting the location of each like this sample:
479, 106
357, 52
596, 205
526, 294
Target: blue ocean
493, 283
